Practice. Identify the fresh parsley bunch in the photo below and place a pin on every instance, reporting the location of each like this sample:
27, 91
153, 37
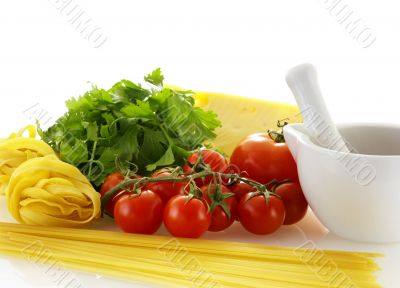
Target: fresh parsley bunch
130, 125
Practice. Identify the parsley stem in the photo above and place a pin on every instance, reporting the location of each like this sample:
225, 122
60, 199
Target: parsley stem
92, 158
170, 142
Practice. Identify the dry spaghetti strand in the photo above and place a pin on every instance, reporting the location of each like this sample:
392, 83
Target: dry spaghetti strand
176, 262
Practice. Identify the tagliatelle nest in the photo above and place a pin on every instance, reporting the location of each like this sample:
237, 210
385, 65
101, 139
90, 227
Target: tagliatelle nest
17, 149
46, 191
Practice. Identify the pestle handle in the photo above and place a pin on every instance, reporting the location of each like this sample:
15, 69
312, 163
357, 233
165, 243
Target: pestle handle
303, 82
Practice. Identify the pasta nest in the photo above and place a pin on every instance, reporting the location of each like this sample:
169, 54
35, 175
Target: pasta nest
48, 192
16, 149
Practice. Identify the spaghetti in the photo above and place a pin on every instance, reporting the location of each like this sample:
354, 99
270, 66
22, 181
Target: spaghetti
187, 262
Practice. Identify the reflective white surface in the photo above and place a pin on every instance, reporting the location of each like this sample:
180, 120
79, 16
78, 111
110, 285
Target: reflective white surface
24, 274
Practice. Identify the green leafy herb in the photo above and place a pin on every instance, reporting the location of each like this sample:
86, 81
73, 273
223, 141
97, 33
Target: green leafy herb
145, 127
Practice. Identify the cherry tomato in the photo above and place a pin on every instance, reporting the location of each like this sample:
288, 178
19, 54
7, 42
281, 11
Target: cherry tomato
166, 190
295, 203
240, 189
220, 220
258, 217
186, 217
214, 160
264, 160
139, 213
110, 182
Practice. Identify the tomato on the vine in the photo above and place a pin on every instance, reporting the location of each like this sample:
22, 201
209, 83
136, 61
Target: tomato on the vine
212, 160
223, 206
264, 160
186, 216
110, 182
259, 216
240, 188
139, 213
166, 189
295, 203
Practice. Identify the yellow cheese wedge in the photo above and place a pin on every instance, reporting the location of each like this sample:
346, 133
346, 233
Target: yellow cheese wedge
241, 116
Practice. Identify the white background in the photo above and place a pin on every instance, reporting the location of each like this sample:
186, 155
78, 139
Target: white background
239, 47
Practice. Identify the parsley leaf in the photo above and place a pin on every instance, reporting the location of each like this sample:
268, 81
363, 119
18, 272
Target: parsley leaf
156, 78
149, 128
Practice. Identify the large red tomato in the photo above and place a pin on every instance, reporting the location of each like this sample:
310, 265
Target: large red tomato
264, 160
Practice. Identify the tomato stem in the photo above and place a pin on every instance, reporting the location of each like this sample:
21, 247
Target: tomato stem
278, 137
275, 183
181, 177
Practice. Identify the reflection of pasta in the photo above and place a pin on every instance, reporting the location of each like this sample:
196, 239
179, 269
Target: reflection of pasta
17, 149
46, 191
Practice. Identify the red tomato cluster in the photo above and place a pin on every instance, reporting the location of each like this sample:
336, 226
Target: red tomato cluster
211, 204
